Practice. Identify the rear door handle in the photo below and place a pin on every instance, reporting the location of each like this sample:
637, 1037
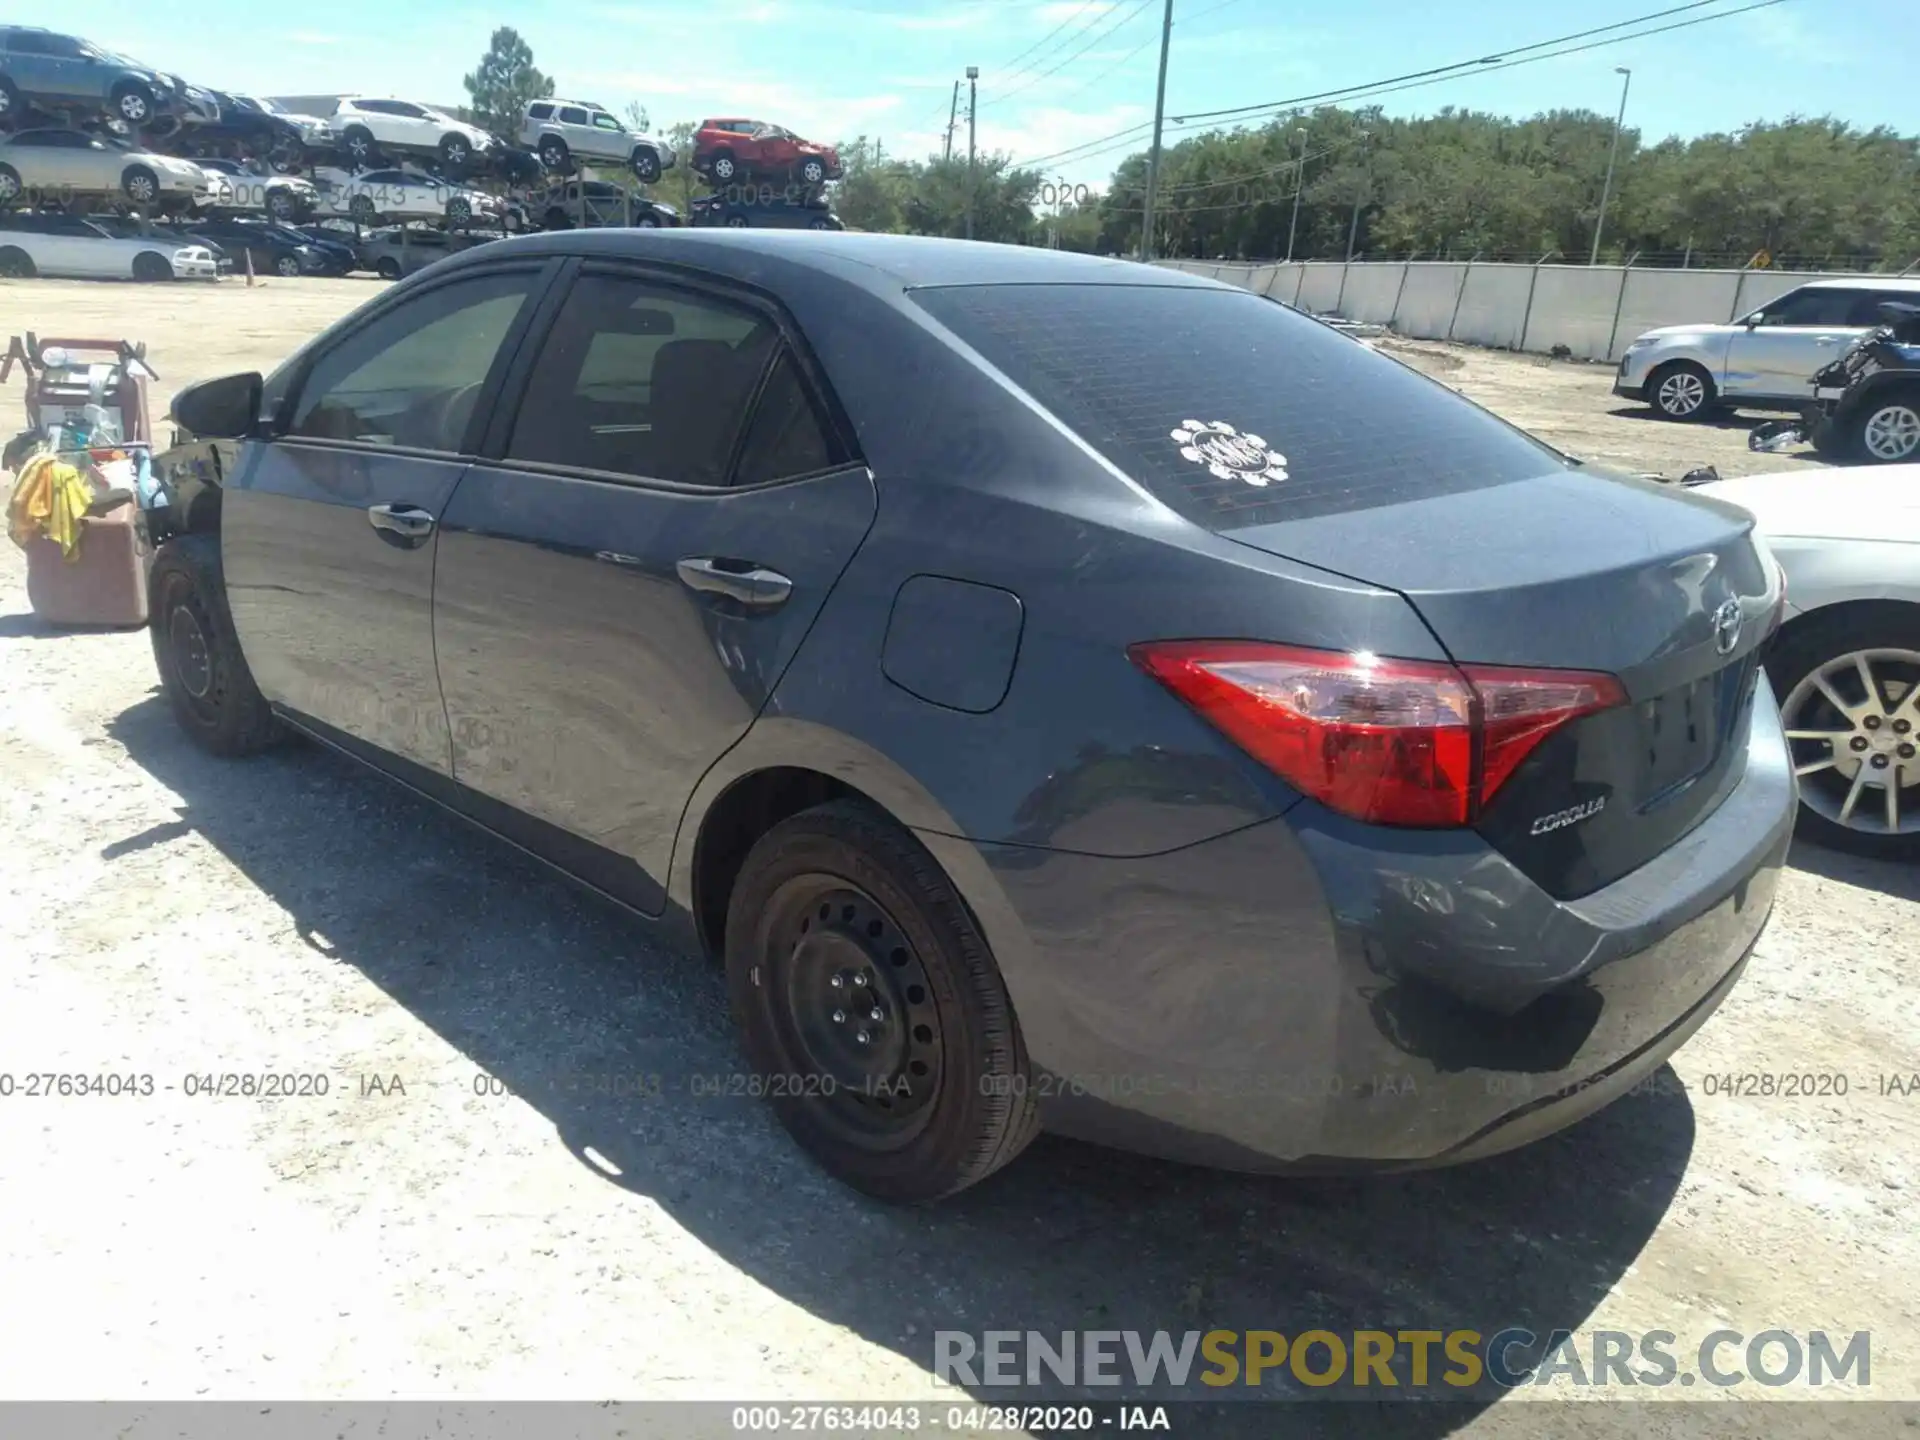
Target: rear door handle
408, 523
752, 585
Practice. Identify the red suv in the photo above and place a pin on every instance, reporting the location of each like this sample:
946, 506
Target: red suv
730, 150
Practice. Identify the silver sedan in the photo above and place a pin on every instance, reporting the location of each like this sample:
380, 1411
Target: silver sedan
1846, 662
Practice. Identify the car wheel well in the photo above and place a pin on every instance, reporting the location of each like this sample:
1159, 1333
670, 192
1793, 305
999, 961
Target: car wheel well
748, 808
1842, 614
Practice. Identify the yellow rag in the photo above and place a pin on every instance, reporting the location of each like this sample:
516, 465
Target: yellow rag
49, 499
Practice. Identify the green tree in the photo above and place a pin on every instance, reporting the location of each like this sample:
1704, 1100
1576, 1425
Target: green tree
504, 82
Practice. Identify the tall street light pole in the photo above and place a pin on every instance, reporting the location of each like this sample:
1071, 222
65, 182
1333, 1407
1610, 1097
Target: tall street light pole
973, 106
953, 116
1159, 114
1299, 183
1613, 154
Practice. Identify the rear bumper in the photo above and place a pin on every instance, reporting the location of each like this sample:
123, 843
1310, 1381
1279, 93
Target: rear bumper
1290, 996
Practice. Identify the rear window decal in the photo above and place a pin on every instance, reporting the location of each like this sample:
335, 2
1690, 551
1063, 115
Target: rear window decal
1228, 454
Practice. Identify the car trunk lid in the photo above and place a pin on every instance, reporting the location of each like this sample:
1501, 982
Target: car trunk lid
1580, 570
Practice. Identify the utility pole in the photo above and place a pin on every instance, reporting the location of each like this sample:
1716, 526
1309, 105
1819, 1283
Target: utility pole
973, 105
1360, 194
1612, 154
1159, 114
1299, 183
953, 118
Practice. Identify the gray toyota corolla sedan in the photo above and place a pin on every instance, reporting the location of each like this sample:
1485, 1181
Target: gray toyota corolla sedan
1064, 693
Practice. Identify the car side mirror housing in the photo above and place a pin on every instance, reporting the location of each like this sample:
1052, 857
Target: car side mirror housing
223, 409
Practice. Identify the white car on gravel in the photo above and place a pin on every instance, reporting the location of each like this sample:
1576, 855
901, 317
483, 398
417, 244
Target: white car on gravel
1846, 661
68, 246
376, 197
367, 127
1764, 360
563, 132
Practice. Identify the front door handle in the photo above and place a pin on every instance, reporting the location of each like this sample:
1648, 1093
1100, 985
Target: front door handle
407, 523
752, 585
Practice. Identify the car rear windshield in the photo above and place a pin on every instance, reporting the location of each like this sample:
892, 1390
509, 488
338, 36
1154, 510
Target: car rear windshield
1232, 409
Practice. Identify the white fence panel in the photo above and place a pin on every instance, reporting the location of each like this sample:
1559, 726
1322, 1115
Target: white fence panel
1494, 305
1371, 293
1426, 304
1319, 286
1573, 305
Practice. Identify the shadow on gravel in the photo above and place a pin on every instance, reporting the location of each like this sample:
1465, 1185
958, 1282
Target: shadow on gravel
1900, 879
536, 984
26, 625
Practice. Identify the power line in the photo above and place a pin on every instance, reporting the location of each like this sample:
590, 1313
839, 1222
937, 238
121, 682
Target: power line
1099, 8
1007, 95
1100, 145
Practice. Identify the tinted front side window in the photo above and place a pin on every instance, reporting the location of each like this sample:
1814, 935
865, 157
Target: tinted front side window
636, 379
1813, 307
411, 378
1231, 409
540, 112
573, 116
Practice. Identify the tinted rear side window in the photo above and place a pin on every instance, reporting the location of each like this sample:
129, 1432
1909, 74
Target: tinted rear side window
1231, 409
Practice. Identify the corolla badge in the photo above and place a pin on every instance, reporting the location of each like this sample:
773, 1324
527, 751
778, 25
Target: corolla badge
1228, 454
1726, 627
1572, 815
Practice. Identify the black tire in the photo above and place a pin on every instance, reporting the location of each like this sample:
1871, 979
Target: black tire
1885, 430
287, 265
282, 206
813, 171
737, 222
1828, 440
459, 210
133, 103
646, 165
9, 102
202, 671
388, 268
356, 143
817, 224
16, 264
361, 208
11, 187
149, 267
1806, 645
1670, 402
556, 219
942, 1099
140, 184
646, 222
553, 154
455, 152
724, 167
285, 154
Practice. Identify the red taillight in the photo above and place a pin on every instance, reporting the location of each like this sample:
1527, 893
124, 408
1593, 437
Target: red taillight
1392, 742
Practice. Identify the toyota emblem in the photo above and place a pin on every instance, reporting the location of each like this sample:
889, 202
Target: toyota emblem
1726, 627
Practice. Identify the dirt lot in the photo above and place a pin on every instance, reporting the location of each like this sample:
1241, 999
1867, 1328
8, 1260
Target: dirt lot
409, 1233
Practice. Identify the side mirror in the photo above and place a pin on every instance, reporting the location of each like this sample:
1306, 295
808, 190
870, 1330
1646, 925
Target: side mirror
223, 409
1754, 319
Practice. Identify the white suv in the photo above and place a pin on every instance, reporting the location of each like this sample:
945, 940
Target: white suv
1762, 361
367, 126
563, 130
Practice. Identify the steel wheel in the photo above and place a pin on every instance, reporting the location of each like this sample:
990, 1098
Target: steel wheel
1891, 433
1851, 725
1681, 393
858, 1010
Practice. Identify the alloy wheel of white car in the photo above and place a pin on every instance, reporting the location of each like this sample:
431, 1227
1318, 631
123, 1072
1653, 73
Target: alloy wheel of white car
1853, 724
1891, 433
1680, 394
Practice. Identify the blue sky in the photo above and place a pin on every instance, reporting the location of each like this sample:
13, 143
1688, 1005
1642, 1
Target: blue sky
885, 67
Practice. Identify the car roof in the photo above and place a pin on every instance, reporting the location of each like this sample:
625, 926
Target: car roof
1874, 282
874, 261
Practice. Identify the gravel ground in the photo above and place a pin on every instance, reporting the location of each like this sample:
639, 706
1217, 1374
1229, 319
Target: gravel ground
409, 1234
